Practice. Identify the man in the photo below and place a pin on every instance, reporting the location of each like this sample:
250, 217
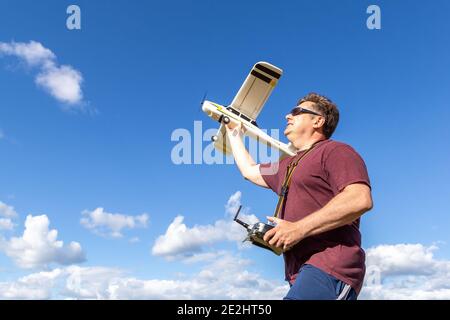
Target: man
318, 225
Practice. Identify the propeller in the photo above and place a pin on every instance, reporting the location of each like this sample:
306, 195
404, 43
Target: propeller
214, 138
203, 99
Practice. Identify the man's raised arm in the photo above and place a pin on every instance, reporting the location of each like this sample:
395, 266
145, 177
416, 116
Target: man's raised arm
248, 167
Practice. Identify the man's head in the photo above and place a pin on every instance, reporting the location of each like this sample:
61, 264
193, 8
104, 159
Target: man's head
314, 116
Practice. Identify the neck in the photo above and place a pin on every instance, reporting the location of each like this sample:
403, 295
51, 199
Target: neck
308, 143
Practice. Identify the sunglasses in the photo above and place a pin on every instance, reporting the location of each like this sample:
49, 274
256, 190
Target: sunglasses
299, 110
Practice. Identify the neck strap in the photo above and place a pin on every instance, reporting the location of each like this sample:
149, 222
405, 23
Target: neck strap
287, 180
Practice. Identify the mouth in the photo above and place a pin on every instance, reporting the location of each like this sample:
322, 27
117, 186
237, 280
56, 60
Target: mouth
287, 129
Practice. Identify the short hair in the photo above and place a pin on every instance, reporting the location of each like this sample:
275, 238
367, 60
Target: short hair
327, 108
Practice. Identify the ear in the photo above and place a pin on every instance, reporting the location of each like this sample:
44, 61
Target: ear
319, 122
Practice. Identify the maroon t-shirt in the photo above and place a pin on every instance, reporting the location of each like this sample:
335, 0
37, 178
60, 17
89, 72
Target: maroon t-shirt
319, 176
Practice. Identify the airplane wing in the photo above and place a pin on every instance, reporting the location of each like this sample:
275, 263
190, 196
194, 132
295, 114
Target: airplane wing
256, 89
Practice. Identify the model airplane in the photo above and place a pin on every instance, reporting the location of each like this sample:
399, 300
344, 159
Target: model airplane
246, 107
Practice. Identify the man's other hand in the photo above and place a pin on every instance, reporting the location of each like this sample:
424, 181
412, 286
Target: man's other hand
284, 235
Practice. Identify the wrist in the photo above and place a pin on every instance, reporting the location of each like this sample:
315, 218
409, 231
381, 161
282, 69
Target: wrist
301, 230
234, 133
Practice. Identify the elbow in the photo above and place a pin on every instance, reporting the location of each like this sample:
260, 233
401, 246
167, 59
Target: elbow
249, 172
369, 206
366, 202
245, 175
362, 197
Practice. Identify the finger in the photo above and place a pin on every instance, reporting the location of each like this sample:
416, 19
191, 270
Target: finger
274, 239
228, 127
273, 219
269, 234
279, 244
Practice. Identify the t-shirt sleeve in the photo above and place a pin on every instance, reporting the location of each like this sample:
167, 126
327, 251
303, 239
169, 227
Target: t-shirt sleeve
271, 175
345, 166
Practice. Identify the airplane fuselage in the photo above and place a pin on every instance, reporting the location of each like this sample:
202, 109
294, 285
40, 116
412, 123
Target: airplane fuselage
228, 114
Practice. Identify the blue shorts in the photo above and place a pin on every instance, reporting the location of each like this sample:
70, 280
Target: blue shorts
314, 284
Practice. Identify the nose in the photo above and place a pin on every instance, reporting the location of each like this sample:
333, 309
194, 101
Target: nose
288, 116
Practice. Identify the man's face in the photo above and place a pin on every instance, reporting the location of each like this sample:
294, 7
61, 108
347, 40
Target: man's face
300, 125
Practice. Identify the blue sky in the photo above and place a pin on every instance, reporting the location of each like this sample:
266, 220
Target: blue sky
145, 68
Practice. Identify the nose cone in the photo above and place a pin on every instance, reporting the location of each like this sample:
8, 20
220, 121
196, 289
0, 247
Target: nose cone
212, 110
206, 106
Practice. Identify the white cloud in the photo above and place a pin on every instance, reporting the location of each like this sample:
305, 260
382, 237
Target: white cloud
7, 214
39, 247
224, 278
6, 224
406, 271
227, 276
63, 82
134, 240
414, 259
34, 286
111, 224
180, 241
233, 203
204, 257
90, 282
7, 211
33, 53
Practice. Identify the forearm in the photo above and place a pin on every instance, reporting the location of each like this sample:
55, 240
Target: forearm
343, 209
241, 156
249, 169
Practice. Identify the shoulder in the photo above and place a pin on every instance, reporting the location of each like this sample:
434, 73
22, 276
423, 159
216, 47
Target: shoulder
333, 149
332, 146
